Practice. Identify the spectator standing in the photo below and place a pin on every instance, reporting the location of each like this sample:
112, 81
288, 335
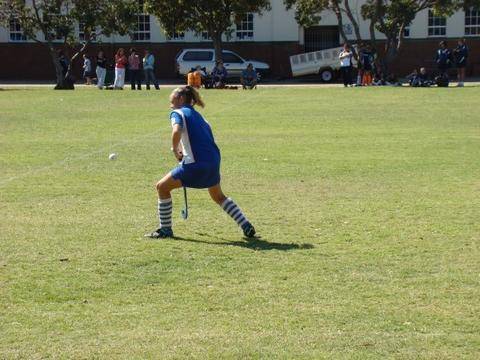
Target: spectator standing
249, 77
101, 69
134, 69
366, 58
461, 55
148, 68
346, 56
359, 64
87, 69
443, 59
120, 64
219, 75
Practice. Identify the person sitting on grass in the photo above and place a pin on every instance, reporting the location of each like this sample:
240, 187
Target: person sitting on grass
413, 78
195, 77
378, 79
249, 77
219, 75
424, 78
194, 147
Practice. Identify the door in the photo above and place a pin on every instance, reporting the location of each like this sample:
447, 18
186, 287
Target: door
321, 37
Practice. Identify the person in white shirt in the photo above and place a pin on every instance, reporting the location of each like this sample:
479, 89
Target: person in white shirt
87, 69
346, 56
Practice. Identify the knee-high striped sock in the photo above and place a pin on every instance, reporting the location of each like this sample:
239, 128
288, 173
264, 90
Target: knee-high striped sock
165, 212
234, 211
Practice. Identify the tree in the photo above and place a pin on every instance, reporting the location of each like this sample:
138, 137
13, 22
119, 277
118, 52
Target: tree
56, 20
392, 17
215, 17
308, 13
389, 17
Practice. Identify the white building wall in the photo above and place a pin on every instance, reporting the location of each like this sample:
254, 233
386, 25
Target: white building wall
284, 27
456, 25
278, 24
4, 35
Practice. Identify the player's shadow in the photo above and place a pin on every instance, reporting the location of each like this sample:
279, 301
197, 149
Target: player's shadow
255, 243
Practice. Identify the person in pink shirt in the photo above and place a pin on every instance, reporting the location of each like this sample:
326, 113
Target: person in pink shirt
134, 69
120, 64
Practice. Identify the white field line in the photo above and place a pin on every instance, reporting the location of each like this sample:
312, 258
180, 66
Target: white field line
106, 149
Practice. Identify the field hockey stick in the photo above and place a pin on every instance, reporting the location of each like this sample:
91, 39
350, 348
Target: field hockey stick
185, 209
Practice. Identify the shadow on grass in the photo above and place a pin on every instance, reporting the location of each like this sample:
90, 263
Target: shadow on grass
255, 243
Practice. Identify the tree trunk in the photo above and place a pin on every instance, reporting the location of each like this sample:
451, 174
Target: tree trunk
217, 45
63, 82
338, 13
390, 53
68, 76
58, 69
373, 39
352, 19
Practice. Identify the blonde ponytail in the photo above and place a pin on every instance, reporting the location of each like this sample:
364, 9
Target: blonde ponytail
191, 95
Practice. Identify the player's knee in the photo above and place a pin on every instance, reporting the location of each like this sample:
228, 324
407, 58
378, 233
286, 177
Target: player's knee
219, 198
161, 188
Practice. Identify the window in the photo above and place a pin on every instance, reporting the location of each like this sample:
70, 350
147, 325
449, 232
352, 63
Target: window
406, 31
59, 26
245, 27
437, 25
472, 21
198, 56
142, 27
229, 57
177, 36
206, 36
16, 33
142, 31
81, 33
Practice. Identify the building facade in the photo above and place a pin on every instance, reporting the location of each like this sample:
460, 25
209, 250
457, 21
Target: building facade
271, 37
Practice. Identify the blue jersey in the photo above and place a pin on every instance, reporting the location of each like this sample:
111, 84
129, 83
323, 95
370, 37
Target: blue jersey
443, 57
461, 54
198, 144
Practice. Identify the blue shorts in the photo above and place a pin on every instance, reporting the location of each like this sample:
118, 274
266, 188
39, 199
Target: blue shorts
197, 175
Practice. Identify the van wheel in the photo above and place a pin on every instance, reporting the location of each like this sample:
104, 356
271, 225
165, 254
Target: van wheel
326, 75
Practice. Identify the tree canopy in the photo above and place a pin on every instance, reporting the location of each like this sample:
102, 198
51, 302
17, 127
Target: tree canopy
50, 21
214, 17
389, 17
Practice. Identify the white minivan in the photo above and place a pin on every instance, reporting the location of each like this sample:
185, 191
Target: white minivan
187, 59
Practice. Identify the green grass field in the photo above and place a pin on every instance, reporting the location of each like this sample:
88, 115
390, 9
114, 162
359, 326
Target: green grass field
367, 202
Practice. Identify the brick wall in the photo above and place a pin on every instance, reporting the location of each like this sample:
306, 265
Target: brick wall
32, 61
421, 53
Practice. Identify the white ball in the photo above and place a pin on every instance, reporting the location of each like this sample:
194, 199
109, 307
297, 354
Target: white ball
112, 156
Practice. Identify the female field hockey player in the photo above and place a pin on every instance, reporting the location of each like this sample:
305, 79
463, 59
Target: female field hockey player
194, 146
